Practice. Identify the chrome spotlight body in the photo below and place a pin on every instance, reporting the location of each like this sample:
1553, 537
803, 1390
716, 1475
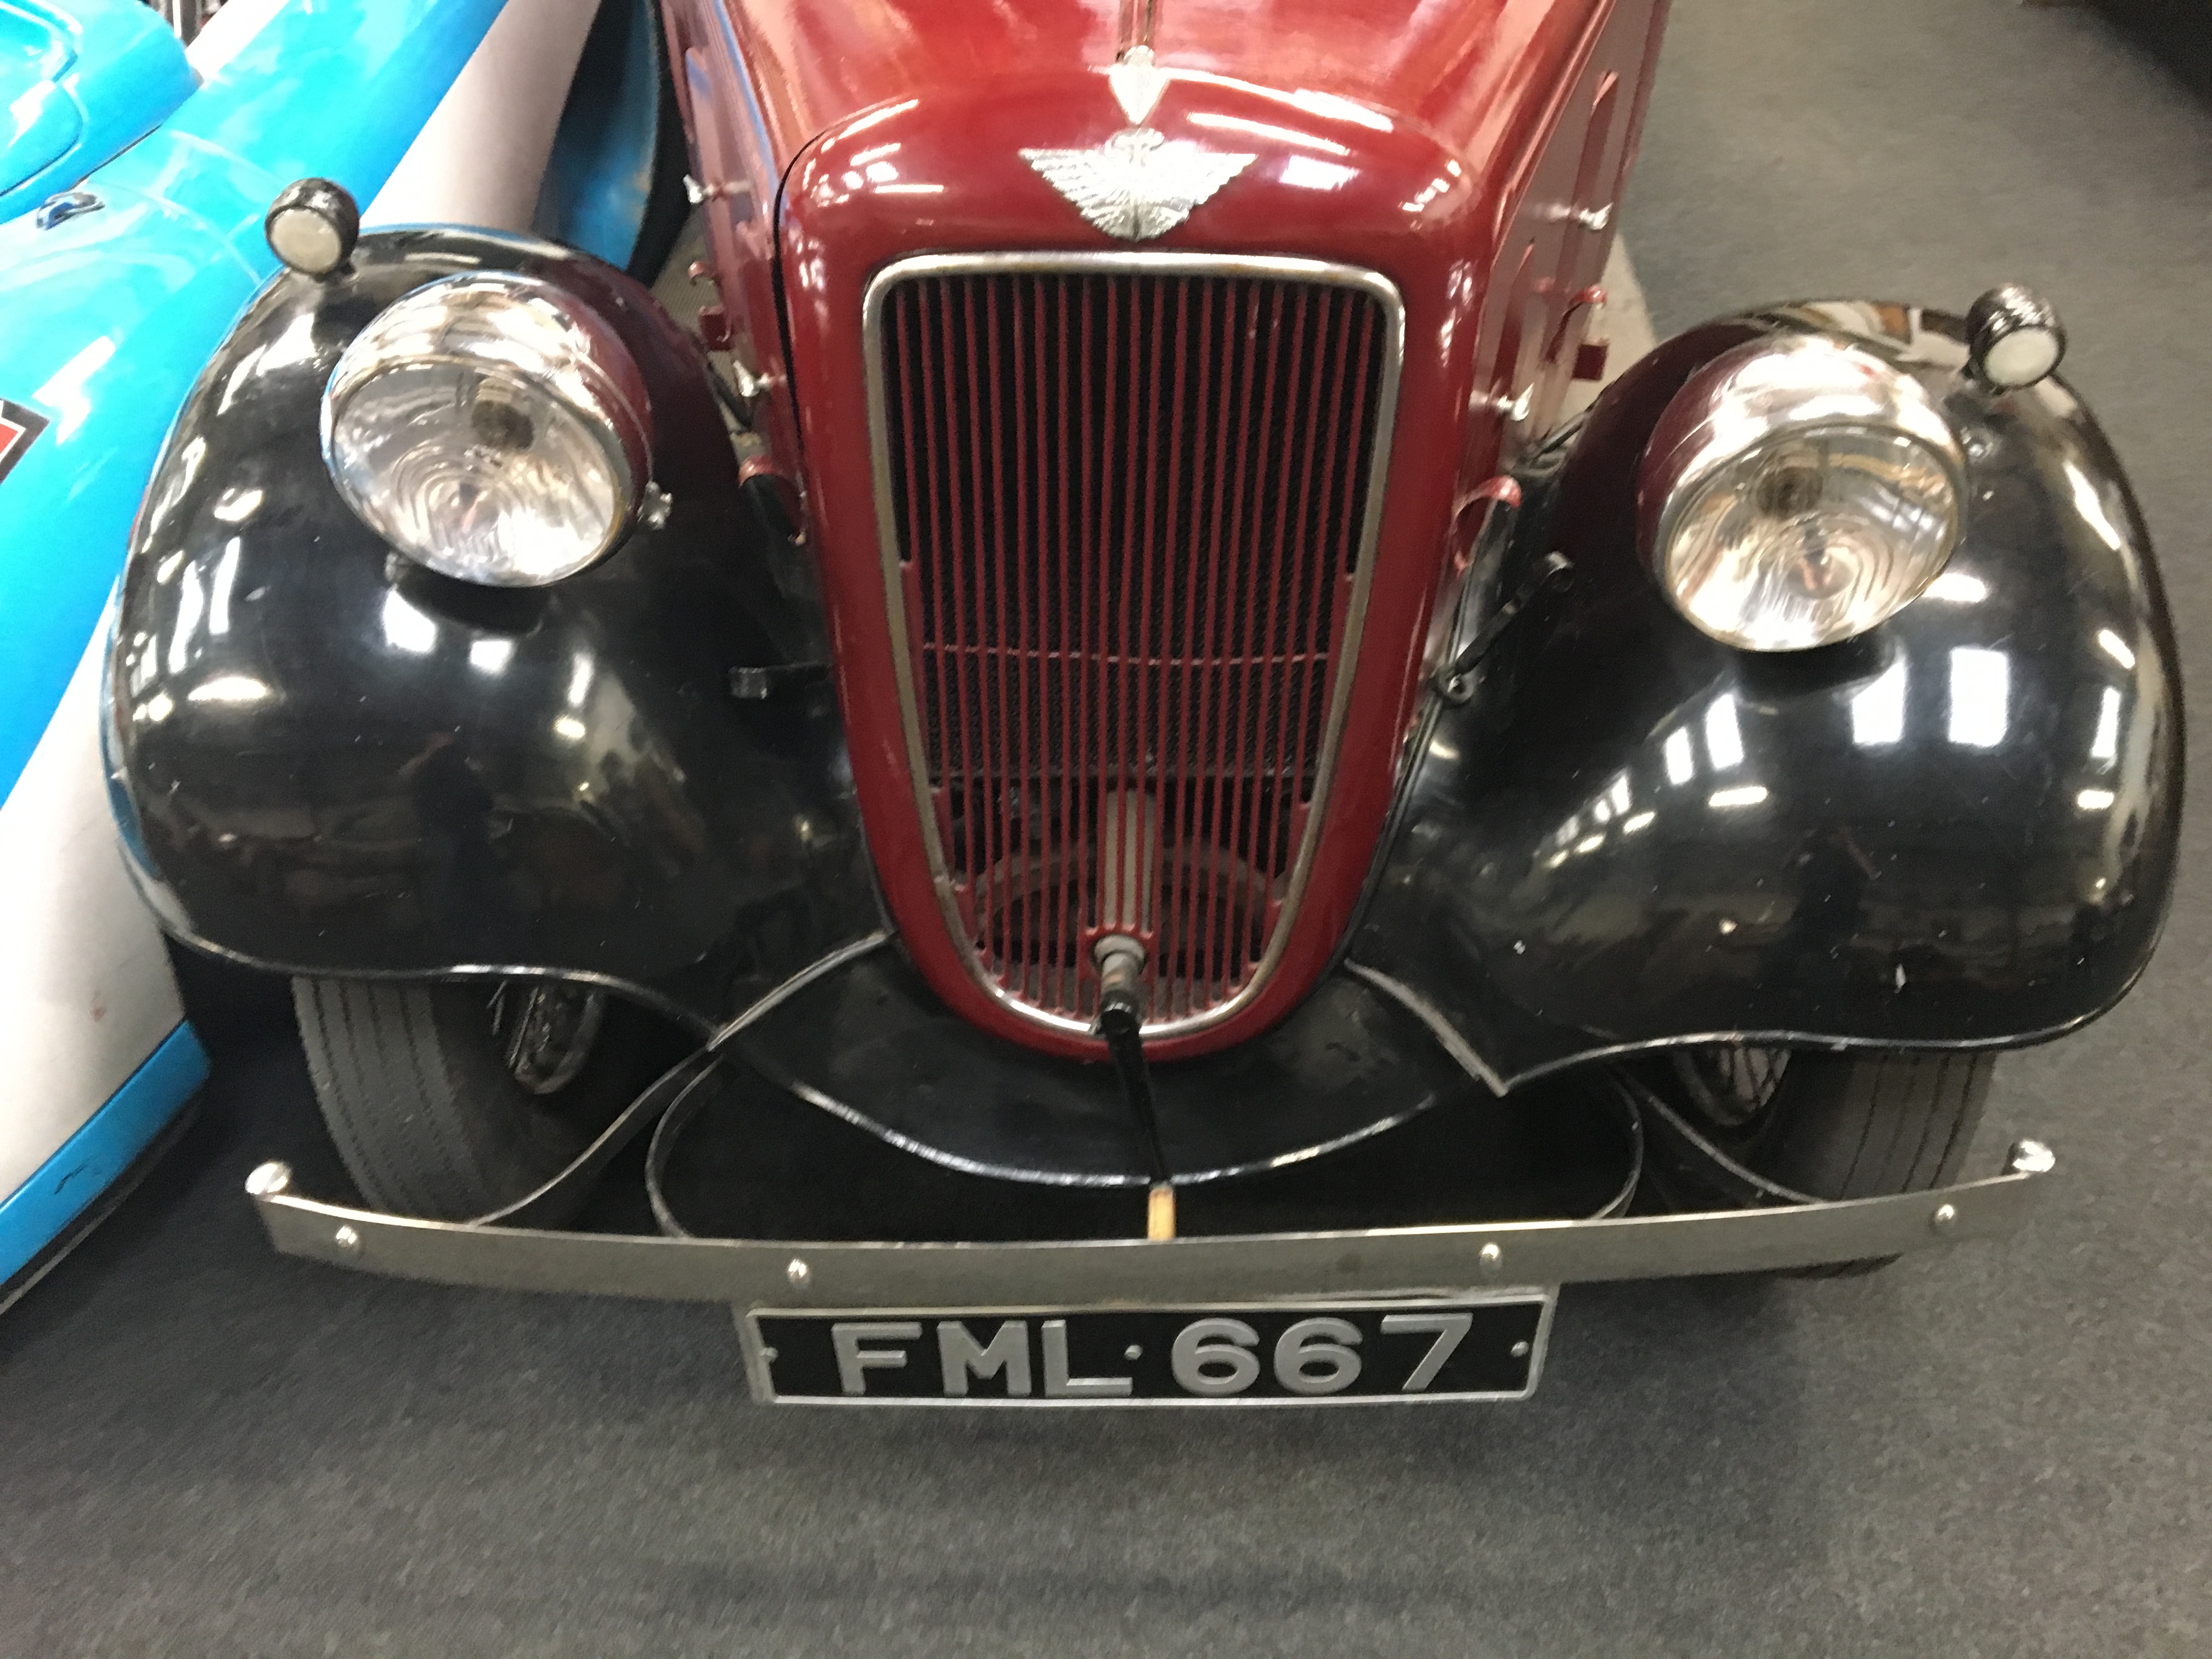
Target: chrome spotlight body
491, 428
1797, 492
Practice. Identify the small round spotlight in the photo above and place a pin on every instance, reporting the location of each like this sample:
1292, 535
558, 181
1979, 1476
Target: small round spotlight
2014, 338
312, 226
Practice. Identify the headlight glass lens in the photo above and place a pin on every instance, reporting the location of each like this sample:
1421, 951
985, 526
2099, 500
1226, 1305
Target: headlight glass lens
490, 427
1799, 493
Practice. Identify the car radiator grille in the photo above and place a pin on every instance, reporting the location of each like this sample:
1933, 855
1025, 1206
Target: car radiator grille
1129, 511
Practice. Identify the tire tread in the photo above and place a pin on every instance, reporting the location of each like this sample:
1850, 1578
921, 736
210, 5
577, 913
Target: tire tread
1859, 1125
419, 1103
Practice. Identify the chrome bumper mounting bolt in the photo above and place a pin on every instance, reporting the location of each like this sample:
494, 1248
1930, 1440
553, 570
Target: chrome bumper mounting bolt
1491, 1259
798, 1273
270, 1180
2031, 1157
346, 1239
1945, 1218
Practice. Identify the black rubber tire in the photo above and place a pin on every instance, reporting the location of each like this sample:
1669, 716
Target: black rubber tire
1846, 1126
421, 1105
1861, 1126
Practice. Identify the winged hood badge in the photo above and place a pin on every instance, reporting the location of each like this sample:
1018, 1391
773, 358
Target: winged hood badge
1138, 184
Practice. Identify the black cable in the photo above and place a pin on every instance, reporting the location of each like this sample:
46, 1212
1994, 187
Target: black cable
1120, 1017
1451, 678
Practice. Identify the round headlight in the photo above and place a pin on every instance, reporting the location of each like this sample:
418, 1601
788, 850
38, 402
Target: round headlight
1798, 492
490, 427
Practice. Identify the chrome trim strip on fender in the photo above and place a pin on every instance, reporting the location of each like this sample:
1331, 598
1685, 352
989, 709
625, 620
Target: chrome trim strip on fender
1123, 1273
1446, 1034
1267, 267
845, 1112
671, 1086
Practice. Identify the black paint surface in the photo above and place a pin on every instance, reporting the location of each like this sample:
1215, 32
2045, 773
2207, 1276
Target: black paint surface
1958, 829
332, 760
873, 1043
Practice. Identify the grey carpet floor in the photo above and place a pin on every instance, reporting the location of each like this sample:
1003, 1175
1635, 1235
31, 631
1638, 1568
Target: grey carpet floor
206, 1450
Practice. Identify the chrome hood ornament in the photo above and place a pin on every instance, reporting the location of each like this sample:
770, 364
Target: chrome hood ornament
1137, 185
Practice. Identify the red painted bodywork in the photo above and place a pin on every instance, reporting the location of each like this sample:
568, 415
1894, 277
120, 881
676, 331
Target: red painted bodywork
1449, 147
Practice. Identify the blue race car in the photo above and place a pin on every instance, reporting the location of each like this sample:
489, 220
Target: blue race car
134, 174
81, 81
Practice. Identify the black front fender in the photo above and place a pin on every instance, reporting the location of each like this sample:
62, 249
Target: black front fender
1958, 830
328, 760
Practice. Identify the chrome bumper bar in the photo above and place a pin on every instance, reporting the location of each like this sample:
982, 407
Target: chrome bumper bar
1108, 1272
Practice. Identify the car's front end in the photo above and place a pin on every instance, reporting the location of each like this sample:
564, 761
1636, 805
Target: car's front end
1141, 708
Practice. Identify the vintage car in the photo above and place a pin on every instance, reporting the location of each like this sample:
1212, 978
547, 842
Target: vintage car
1091, 689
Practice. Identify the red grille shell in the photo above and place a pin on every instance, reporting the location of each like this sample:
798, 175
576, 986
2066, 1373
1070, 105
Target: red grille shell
1127, 523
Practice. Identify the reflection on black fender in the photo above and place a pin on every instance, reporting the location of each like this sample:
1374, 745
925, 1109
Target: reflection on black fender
330, 761
1957, 830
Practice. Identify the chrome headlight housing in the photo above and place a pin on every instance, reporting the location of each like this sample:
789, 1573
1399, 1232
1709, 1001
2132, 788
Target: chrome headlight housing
1799, 491
490, 427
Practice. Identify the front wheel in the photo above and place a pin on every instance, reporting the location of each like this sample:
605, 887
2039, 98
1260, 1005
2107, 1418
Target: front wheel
1829, 1125
1834, 1126
448, 1101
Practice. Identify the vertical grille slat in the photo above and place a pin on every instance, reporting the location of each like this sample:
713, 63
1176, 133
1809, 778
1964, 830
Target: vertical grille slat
1126, 508
1213, 707
1062, 977
991, 616
1294, 545
1212, 961
1076, 826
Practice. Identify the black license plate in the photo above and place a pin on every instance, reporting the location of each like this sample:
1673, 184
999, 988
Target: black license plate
1488, 1348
